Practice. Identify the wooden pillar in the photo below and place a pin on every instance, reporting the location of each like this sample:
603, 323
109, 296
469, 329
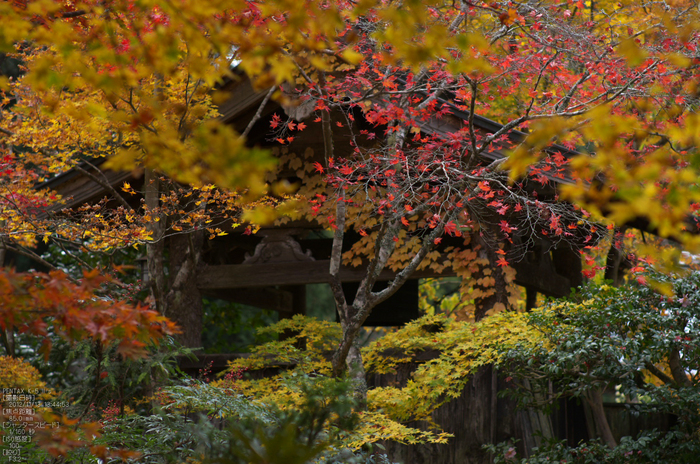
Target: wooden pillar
530, 299
298, 306
567, 263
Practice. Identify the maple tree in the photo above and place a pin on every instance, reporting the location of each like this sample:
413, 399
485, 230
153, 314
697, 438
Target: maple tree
593, 106
51, 307
32, 302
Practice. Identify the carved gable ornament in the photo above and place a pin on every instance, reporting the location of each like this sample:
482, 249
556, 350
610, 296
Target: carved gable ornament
278, 246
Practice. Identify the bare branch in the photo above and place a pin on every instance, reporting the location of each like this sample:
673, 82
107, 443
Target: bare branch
259, 112
104, 183
32, 255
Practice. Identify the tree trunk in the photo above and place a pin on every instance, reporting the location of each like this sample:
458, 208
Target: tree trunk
594, 399
358, 375
677, 371
494, 291
616, 262
155, 248
183, 302
177, 296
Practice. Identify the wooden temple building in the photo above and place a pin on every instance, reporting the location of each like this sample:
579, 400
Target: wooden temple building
270, 269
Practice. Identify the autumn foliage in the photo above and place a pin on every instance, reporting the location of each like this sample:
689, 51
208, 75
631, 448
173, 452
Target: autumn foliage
456, 135
76, 311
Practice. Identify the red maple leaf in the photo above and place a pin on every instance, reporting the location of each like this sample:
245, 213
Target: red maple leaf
507, 228
554, 222
588, 273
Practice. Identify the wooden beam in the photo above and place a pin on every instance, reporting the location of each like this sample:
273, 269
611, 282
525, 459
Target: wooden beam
234, 276
269, 274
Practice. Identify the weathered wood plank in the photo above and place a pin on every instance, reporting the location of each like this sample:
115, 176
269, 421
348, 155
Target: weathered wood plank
264, 275
313, 272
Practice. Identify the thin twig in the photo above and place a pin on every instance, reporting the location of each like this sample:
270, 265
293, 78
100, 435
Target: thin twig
104, 183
